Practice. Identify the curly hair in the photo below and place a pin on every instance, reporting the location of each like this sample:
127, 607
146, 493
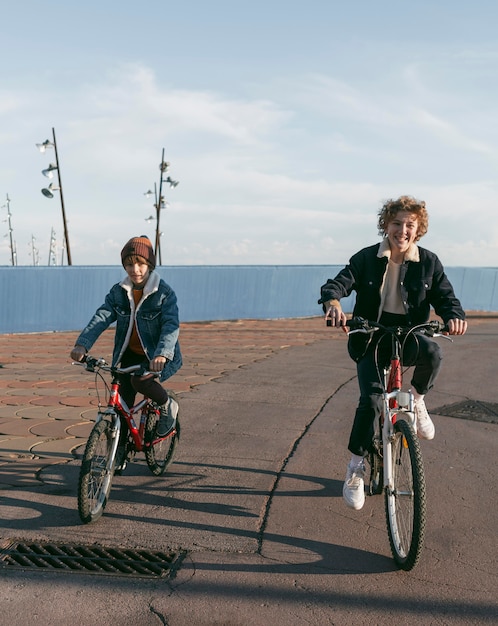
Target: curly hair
409, 204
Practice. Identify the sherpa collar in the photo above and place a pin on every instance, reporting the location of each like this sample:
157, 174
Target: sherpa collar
150, 286
412, 254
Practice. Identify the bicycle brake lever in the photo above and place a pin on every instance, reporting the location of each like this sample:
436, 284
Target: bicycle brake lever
447, 337
90, 364
438, 330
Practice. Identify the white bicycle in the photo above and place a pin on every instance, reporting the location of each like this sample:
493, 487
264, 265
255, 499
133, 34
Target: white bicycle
396, 465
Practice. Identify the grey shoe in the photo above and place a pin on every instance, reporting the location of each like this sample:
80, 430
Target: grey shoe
167, 419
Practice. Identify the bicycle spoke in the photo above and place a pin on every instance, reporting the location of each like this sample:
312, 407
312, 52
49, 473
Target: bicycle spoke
95, 475
159, 451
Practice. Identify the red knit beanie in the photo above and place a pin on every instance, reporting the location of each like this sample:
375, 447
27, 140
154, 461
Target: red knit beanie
139, 246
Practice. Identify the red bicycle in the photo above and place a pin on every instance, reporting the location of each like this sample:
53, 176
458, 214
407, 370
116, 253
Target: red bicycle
100, 459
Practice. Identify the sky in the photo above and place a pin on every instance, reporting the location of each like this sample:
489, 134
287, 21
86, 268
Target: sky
287, 125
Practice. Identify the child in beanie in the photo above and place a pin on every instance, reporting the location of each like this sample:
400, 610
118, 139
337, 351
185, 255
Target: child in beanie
139, 247
145, 310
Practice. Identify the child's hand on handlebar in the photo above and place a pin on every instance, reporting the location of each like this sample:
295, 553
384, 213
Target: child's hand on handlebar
457, 327
78, 353
335, 316
157, 364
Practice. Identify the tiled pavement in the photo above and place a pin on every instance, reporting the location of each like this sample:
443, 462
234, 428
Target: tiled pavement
47, 404
264, 532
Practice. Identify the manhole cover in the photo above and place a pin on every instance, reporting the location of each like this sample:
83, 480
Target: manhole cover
90, 559
471, 410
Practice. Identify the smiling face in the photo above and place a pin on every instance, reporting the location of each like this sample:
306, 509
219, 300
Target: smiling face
401, 231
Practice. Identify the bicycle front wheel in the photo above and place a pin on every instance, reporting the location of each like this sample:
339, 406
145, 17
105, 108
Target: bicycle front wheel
159, 451
406, 501
96, 474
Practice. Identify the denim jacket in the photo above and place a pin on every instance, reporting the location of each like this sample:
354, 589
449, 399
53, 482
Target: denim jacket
156, 318
423, 284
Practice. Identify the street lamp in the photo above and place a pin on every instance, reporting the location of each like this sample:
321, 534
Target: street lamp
172, 183
160, 203
48, 191
49, 172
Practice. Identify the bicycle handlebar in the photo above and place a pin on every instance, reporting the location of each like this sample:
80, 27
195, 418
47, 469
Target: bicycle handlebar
433, 328
91, 362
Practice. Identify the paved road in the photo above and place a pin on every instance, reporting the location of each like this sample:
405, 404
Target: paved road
253, 502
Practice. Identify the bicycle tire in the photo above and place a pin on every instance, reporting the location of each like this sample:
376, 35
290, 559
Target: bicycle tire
159, 451
405, 503
95, 479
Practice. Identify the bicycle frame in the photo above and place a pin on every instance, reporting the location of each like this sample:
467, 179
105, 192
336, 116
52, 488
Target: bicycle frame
396, 454
117, 407
395, 401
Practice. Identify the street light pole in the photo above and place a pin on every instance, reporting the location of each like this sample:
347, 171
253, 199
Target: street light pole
34, 250
48, 193
163, 166
52, 259
159, 204
66, 234
12, 245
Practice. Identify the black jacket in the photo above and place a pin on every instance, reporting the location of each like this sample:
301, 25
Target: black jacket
423, 284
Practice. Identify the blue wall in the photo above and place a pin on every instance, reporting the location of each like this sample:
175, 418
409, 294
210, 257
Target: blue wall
37, 299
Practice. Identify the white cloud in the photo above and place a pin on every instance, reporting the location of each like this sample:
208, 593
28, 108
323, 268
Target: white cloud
292, 173
450, 134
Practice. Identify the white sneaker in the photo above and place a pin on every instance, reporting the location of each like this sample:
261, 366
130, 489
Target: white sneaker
353, 490
423, 423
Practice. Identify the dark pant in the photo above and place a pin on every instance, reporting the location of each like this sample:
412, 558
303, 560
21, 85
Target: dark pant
132, 384
420, 351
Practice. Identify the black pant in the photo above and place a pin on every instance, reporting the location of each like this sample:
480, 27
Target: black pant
420, 351
132, 384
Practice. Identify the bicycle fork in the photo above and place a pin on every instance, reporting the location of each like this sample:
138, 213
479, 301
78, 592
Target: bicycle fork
110, 415
396, 403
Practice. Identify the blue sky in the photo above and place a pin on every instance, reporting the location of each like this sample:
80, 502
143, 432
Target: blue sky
286, 123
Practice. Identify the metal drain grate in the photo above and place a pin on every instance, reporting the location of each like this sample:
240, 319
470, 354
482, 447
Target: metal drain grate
90, 559
471, 410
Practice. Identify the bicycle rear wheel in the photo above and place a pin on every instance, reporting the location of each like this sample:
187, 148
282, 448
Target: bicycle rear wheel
159, 451
96, 474
406, 501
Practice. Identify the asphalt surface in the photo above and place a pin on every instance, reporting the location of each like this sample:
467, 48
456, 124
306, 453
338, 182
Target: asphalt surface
251, 510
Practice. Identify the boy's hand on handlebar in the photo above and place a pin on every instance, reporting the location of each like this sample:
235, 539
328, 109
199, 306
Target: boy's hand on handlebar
78, 353
157, 363
456, 327
335, 316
